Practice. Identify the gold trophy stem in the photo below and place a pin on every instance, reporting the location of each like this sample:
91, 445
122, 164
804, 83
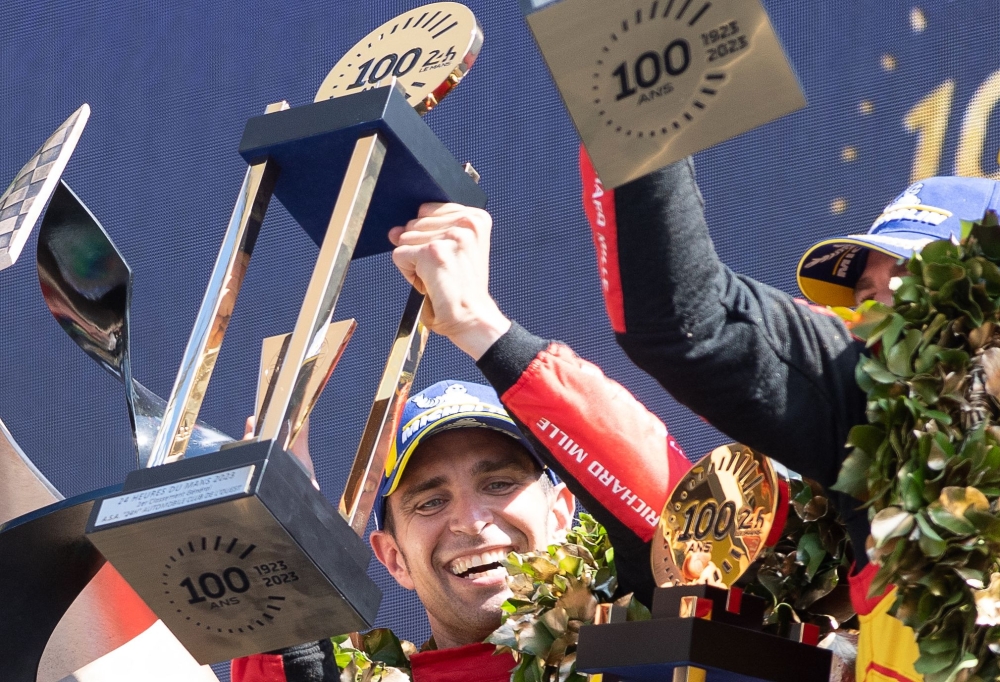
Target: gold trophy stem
326, 282
215, 312
394, 388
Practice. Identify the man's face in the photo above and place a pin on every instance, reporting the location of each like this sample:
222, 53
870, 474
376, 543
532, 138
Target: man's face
873, 285
467, 498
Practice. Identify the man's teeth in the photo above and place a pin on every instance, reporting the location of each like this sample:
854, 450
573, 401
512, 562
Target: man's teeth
466, 563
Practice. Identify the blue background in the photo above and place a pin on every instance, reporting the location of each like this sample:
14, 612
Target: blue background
171, 85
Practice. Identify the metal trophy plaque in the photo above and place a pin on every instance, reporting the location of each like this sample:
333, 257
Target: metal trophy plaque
236, 551
720, 518
648, 82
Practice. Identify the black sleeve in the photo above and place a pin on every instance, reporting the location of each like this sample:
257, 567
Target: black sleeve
771, 373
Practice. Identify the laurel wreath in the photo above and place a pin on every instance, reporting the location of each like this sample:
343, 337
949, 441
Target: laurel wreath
927, 463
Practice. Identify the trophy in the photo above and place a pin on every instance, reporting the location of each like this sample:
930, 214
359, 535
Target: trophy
87, 286
719, 518
67, 612
648, 82
235, 550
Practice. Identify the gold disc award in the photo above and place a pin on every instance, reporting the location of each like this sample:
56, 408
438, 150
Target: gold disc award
648, 82
428, 50
718, 519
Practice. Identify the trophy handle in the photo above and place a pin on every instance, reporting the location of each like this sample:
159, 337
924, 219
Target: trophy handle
216, 310
369, 463
327, 280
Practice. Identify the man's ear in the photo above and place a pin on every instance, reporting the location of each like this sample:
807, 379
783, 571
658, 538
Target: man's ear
389, 555
561, 512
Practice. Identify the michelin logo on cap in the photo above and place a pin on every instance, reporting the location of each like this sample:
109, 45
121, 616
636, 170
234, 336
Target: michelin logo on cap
907, 206
848, 251
455, 400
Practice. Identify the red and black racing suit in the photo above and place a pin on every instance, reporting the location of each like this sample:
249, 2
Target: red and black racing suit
612, 453
769, 371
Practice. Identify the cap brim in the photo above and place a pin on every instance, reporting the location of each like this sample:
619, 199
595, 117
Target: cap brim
824, 292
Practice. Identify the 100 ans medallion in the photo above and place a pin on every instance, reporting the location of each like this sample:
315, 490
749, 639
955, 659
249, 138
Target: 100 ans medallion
648, 82
719, 518
428, 50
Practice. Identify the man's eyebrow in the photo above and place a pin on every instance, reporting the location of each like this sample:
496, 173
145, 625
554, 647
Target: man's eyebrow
485, 466
489, 466
422, 487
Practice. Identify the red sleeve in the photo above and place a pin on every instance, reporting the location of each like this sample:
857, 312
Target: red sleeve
599, 205
258, 668
614, 447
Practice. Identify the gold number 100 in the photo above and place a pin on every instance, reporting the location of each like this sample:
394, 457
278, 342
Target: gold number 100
929, 119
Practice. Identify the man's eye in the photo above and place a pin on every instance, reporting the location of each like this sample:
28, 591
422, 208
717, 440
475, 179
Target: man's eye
499, 486
430, 505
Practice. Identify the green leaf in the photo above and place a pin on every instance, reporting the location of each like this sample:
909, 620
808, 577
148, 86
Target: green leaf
865, 436
853, 476
989, 240
810, 553
898, 357
945, 519
877, 371
936, 275
932, 663
891, 522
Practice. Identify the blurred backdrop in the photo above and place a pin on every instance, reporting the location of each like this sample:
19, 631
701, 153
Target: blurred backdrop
896, 90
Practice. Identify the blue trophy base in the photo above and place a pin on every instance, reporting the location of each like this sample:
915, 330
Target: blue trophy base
312, 145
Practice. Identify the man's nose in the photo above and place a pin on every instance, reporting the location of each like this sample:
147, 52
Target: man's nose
470, 517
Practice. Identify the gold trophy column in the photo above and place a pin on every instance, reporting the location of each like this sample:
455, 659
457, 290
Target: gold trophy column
326, 282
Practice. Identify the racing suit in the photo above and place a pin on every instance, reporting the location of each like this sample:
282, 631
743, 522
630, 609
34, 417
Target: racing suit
769, 371
612, 453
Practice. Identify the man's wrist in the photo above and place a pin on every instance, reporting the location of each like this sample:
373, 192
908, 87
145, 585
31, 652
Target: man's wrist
477, 337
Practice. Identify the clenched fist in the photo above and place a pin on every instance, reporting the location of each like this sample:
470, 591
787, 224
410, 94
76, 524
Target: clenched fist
445, 253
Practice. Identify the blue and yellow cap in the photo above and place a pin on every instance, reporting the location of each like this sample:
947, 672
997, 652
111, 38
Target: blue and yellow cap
927, 211
443, 406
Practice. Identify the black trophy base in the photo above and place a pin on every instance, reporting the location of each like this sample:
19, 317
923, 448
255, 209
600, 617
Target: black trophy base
48, 562
727, 645
237, 553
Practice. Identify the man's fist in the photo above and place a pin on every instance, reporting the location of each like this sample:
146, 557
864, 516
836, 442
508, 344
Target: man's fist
445, 253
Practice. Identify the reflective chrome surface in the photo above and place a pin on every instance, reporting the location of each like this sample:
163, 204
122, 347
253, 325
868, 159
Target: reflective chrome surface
216, 310
22, 203
87, 286
369, 463
326, 282
323, 359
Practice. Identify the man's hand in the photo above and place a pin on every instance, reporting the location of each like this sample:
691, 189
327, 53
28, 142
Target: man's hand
445, 253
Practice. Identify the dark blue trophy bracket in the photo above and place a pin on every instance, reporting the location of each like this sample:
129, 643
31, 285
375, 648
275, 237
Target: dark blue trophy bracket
730, 647
47, 561
312, 145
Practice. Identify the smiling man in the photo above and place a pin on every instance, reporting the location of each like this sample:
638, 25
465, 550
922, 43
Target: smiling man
465, 481
463, 490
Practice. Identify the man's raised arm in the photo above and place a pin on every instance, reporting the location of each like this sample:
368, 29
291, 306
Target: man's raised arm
768, 371
615, 456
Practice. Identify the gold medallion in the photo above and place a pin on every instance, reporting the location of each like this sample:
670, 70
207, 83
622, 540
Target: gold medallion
718, 519
428, 50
